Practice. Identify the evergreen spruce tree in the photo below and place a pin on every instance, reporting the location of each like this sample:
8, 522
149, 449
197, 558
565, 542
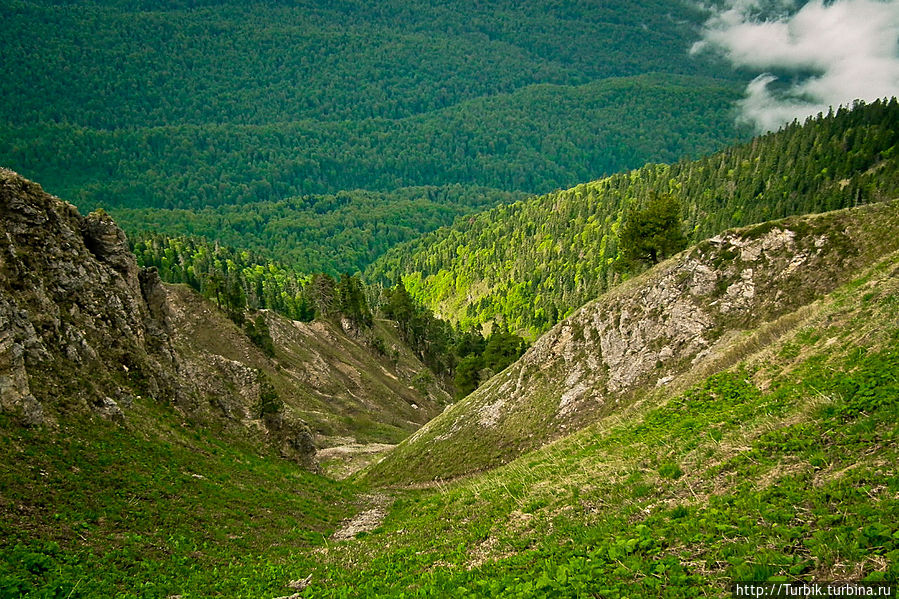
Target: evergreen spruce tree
652, 233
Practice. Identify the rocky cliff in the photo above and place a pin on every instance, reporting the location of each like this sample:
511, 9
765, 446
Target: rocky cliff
684, 317
76, 330
84, 330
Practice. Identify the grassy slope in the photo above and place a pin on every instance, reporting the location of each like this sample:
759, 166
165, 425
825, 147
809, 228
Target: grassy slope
152, 509
613, 350
784, 465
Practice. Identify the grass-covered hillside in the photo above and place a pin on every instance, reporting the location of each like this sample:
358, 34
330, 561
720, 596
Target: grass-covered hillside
530, 263
781, 466
769, 454
691, 314
155, 508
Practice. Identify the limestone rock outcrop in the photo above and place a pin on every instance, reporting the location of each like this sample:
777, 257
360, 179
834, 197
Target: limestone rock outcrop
83, 328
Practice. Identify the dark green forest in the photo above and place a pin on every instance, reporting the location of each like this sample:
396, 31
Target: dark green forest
536, 139
111, 64
334, 233
530, 263
183, 104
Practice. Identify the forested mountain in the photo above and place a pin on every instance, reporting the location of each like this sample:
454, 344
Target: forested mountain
529, 263
535, 139
164, 63
187, 105
686, 318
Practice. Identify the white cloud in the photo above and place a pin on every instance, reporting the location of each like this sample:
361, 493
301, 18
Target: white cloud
851, 46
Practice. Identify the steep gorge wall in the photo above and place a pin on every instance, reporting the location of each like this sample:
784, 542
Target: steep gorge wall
75, 326
83, 330
676, 318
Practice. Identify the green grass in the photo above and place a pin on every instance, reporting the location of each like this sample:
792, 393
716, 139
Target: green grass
97, 510
780, 467
774, 470
727, 481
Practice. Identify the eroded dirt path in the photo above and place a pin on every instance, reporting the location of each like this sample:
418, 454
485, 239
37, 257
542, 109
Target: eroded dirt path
366, 520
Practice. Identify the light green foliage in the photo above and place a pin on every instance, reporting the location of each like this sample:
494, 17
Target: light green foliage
238, 280
462, 354
530, 263
254, 281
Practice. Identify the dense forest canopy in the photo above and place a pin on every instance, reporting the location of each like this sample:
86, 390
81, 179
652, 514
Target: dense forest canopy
333, 233
133, 104
110, 65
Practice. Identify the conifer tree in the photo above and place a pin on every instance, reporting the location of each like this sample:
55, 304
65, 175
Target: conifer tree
652, 233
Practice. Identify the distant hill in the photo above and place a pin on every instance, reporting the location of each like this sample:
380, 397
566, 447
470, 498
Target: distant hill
189, 105
530, 263
333, 233
535, 139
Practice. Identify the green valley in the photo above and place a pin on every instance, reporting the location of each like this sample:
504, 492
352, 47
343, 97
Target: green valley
407, 299
772, 457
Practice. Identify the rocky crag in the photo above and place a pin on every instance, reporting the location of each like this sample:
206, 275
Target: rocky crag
685, 318
84, 330
76, 327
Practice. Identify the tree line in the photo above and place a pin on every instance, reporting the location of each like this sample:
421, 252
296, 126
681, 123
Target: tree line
242, 282
530, 263
333, 233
